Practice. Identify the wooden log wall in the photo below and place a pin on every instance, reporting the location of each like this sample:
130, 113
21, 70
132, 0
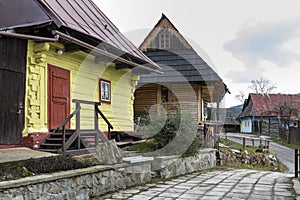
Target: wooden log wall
145, 97
180, 96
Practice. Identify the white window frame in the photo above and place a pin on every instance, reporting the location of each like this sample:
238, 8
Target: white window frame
105, 91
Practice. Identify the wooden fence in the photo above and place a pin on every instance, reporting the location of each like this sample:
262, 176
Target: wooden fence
262, 142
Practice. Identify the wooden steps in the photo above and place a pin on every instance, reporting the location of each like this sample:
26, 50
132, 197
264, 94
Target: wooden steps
54, 142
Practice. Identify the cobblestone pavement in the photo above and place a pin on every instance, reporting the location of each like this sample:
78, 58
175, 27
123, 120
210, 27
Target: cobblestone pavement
219, 184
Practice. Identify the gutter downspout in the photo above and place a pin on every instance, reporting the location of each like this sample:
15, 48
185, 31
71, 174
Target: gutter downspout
93, 48
29, 37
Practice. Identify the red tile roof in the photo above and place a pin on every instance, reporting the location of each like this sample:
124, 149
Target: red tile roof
269, 105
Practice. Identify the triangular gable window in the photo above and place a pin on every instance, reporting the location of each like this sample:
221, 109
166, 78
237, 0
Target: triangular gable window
164, 39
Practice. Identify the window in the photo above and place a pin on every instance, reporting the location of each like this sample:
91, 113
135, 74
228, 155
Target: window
104, 87
164, 39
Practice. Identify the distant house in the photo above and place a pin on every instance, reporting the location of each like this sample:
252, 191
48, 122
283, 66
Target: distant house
228, 118
188, 82
53, 52
267, 113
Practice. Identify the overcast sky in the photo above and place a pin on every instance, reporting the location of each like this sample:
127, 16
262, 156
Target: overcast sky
241, 39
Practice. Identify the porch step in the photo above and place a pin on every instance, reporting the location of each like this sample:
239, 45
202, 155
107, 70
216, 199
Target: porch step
52, 145
54, 142
58, 139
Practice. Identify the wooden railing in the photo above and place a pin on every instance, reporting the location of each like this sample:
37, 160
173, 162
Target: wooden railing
79, 132
109, 126
63, 127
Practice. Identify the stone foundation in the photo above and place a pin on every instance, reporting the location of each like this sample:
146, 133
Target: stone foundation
95, 181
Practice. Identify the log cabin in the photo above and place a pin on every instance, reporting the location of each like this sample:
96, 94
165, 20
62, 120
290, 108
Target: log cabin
64, 65
270, 114
188, 82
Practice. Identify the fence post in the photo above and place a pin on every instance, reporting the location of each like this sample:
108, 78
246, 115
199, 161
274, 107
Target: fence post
252, 142
78, 125
260, 143
296, 163
244, 143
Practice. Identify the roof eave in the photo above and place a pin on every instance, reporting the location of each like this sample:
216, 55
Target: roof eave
105, 53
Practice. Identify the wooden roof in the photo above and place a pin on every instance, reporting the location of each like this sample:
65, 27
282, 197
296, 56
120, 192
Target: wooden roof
227, 116
163, 23
179, 66
270, 104
180, 63
79, 18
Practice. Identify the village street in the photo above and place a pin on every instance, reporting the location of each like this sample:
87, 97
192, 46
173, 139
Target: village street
284, 154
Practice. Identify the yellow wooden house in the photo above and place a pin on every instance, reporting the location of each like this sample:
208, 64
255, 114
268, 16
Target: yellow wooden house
76, 59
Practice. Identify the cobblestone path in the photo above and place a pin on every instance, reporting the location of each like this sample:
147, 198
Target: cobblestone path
219, 184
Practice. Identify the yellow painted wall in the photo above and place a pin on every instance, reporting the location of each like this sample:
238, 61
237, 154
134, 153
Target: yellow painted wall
85, 75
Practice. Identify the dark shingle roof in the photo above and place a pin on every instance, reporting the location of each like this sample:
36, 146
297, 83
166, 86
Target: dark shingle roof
232, 115
179, 66
227, 116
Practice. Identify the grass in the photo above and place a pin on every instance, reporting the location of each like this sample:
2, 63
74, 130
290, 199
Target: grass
238, 146
145, 147
284, 143
281, 167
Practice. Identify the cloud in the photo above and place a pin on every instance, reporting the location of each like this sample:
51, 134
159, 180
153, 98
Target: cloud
260, 42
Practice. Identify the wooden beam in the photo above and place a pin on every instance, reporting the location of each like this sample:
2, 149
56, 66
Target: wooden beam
122, 66
199, 98
158, 97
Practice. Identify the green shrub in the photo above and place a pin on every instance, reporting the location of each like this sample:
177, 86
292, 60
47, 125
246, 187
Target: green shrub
173, 133
194, 147
169, 130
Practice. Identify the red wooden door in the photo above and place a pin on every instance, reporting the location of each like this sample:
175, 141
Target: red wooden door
58, 96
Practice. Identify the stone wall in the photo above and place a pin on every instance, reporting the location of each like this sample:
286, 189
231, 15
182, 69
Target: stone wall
95, 181
172, 166
77, 184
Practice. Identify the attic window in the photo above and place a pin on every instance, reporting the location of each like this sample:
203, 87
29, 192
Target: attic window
164, 39
105, 91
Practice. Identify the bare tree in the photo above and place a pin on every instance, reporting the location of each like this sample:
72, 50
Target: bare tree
241, 96
262, 86
286, 110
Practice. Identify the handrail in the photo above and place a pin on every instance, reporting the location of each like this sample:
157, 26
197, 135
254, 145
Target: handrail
86, 102
105, 119
69, 118
77, 133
